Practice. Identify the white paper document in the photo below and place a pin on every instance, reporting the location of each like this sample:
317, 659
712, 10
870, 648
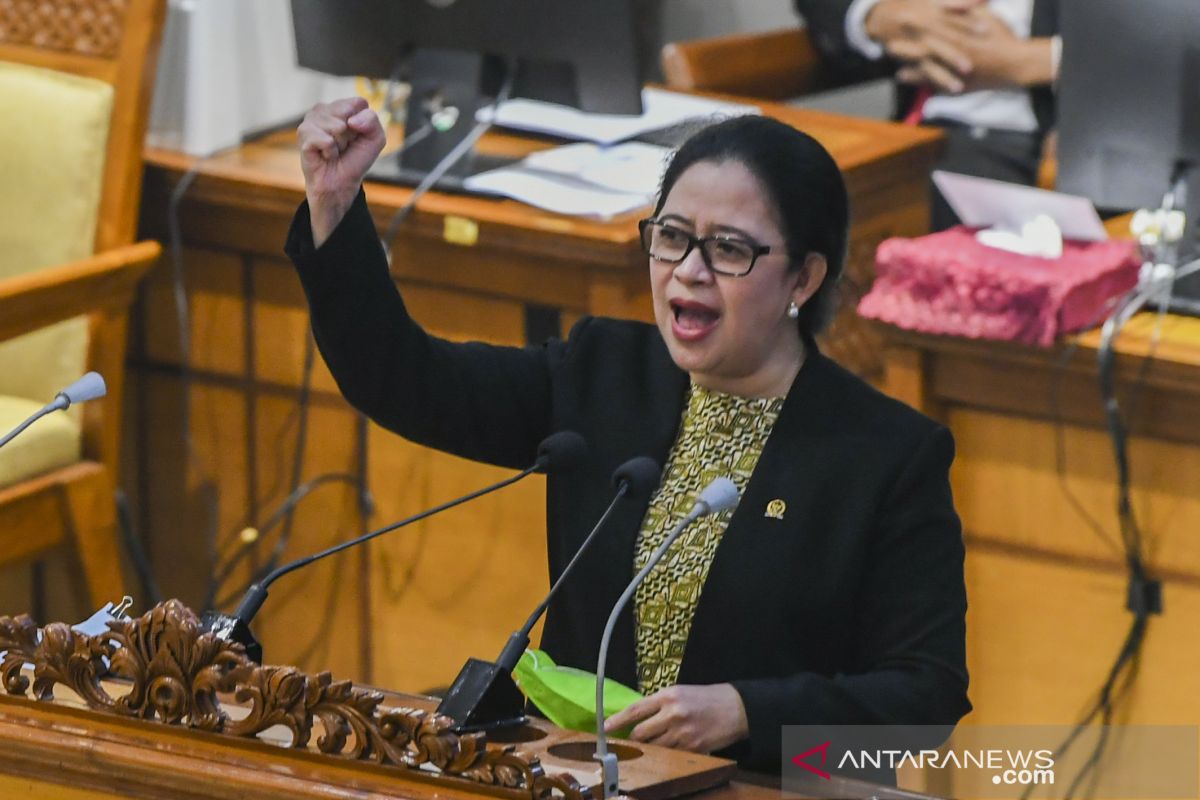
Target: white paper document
987, 203
556, 193
630, 167
661, 109
581, 179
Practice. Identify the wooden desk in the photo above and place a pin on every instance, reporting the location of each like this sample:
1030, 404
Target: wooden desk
183, 715
1046, 590
470, 268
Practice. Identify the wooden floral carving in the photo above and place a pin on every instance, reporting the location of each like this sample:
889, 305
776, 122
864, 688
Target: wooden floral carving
176, 674
85, 27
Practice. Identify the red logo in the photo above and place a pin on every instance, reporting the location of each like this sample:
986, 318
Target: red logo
823, 749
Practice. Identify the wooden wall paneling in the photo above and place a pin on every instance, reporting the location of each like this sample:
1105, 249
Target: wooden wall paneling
617, 297
313, 618
1046, 592
281, 328
16, 588
178, 493
132, 476
1042, 635
227, 374
216, 308
490, 273
178, 505
1061, 382
461, 316
248, 383
472, 573
1001, 458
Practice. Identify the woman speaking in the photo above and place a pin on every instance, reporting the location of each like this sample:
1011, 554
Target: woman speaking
833, 593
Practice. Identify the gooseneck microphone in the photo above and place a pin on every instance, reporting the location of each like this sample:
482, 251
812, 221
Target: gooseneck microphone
718, 496
483, 696
558, 452
89, 387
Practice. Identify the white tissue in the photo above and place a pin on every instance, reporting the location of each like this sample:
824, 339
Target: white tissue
1041, 237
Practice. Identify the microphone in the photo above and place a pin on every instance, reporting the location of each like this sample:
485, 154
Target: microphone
558, 452
718, 496
89, 387
484, 696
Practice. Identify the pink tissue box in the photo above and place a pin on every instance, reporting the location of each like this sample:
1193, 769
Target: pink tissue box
949, 283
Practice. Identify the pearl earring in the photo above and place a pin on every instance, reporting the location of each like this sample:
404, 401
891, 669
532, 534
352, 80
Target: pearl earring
793, 310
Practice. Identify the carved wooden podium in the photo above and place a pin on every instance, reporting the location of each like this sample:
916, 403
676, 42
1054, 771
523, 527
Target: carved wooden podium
155, 709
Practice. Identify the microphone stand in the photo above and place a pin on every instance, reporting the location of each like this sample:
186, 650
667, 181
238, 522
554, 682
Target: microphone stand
236, 627
717, 496
561, 450
484, 696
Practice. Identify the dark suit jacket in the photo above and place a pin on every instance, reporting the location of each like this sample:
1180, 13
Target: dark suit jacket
849, 610
826, 22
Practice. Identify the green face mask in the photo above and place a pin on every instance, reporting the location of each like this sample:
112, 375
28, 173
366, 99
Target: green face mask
567, 696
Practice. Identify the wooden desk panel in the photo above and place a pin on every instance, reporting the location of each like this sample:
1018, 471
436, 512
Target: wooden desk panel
473, 575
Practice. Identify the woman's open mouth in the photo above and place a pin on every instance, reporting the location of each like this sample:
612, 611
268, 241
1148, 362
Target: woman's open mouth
692, 321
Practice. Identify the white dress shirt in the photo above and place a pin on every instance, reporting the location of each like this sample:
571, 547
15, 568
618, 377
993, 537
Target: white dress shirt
1005, 109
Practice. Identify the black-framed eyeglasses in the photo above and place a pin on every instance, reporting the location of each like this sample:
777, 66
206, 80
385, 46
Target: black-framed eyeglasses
722, 253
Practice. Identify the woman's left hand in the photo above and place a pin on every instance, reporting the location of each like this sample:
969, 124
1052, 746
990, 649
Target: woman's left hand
697, 718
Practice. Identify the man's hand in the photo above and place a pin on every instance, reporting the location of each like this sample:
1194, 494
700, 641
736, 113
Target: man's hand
926, 36
339, 142
697, 718
957, 45
1000, 58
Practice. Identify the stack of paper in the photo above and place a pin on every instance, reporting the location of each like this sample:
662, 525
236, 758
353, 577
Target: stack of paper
581, 179
661, 109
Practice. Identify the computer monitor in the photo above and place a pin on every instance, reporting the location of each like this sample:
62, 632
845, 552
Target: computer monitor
1129, 109
456, 52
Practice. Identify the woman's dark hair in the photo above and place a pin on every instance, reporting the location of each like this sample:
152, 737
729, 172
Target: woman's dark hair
803, 184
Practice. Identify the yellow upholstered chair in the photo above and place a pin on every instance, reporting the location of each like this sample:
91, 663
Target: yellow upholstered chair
75, 84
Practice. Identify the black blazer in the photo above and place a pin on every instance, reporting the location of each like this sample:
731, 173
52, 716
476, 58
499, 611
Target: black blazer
848, 610
826, 23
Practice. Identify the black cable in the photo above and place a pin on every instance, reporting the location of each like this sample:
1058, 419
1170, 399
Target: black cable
365, 505
208, 486
1114, 420
137, 553
289, 518
277, 515
320, 641
1144, 593
218, 572
1106, 704
1094, 760
1139, 382
337, 548
1130, 535
1160, 291
285, 510
366, 501
1060, 443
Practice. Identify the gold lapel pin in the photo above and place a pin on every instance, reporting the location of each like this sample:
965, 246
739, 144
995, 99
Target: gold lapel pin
775, 509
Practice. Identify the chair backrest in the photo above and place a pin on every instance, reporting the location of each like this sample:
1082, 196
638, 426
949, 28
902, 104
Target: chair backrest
114, 41
776, 65
76, 81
